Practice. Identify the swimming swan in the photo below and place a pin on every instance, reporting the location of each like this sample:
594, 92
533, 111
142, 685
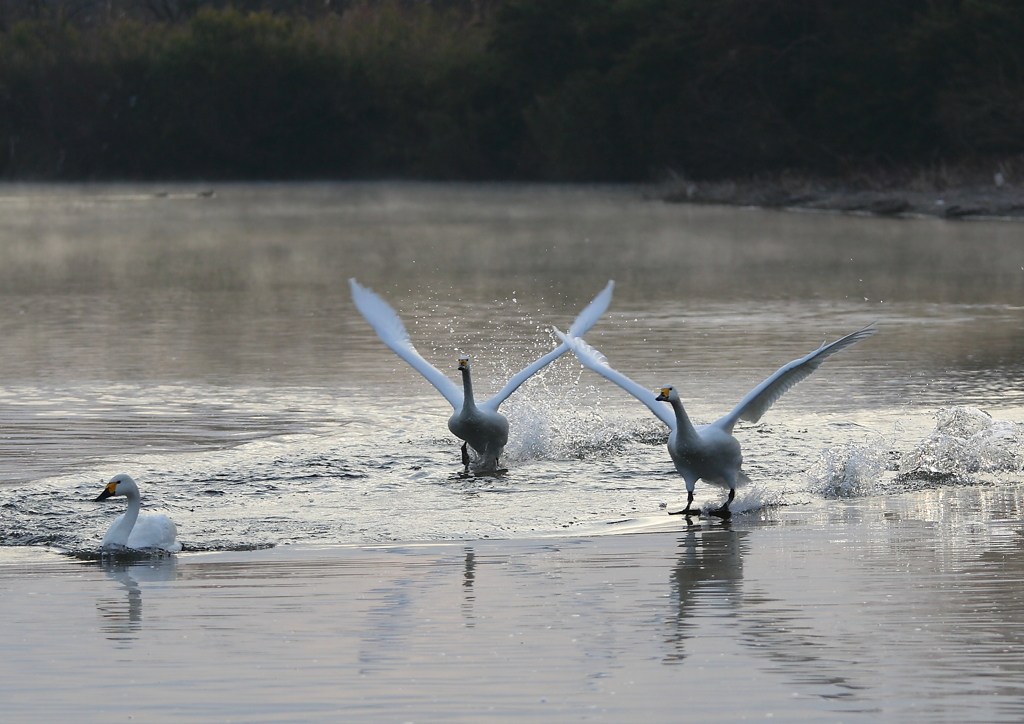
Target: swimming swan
129, 530
710, 452
479, 425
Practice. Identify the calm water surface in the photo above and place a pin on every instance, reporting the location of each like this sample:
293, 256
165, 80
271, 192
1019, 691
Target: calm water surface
207, 345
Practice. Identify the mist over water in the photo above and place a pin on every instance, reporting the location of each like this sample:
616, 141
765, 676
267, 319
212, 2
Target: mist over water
338, 565
208, 346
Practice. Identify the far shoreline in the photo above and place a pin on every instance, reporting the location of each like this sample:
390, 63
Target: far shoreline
871, 197
922, 196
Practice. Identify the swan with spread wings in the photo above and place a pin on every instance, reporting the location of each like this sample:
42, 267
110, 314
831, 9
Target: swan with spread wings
710, 452
478, 424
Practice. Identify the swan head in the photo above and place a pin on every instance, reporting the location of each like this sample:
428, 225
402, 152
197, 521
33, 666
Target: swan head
668, 394
463, 364
119, 485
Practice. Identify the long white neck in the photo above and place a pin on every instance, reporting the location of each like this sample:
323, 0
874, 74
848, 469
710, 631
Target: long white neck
118, 533
684, 428
467, 391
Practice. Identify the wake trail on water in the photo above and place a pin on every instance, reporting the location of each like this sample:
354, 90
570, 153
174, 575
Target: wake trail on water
574, 465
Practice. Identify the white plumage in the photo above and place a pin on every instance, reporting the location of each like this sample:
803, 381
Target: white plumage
135, 531
481, 426
710, 452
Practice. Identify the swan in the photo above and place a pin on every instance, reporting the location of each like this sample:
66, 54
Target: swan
710, 452
129, 530
478, 424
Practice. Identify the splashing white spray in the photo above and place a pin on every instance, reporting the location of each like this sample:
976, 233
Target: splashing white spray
966, 441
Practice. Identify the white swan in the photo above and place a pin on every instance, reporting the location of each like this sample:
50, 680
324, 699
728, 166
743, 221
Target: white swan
129, 530
710, 452
479, 425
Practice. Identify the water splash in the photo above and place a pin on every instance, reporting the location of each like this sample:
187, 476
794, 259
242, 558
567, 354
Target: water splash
757, 497
544, 429
751, 498
966, 443
851, 470
966, 447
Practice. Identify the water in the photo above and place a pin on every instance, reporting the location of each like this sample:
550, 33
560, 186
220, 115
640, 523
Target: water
207, 346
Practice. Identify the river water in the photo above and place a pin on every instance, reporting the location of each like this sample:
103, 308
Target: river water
337, 566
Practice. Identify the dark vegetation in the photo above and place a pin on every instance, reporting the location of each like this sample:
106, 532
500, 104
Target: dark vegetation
604, 90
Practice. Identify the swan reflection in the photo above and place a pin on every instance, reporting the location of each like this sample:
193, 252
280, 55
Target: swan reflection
706, 580
468, 577
121, 609
711, 599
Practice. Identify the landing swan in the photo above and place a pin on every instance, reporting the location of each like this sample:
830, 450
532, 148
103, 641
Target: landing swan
710, 452
479, 425
129, 530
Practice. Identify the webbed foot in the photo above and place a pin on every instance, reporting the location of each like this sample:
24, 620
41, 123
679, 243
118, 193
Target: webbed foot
688, 510
724, 513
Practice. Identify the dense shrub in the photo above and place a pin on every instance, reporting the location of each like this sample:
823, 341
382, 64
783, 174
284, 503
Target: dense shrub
612, 90
372, 92
712, 86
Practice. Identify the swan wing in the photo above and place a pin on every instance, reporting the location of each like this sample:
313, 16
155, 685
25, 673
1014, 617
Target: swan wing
392, 332
758, 400
596, 361
154, 531
584, 321
592, 312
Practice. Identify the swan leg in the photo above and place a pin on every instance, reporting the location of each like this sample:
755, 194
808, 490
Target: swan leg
724, 511
689, 502
465, 456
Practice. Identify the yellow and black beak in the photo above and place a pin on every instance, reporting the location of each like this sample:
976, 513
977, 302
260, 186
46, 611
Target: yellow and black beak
663, 397
107, 492
463, 363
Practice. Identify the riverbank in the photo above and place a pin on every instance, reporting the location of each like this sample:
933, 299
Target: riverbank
941, 193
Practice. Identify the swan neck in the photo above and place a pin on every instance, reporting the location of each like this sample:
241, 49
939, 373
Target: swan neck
467, 391
134, 506
683, 424
122, 529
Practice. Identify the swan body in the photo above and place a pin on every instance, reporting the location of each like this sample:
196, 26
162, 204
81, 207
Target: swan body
710, 452
484, 429
478, 424
130, 530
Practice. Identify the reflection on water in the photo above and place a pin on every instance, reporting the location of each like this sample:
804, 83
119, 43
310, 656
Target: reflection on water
467, 583
122, 616
797, 649
708, 578
712, 601
834, 622
121, 612
208, 346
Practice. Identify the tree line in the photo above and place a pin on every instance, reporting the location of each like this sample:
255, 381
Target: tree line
582, 90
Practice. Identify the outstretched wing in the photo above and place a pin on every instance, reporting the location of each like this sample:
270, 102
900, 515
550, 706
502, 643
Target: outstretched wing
592, 312
757, 402
392, 332
596, 361
586, 319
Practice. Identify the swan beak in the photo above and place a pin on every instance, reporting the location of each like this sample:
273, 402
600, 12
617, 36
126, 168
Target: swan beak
463, 363
663, 397
107, 492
